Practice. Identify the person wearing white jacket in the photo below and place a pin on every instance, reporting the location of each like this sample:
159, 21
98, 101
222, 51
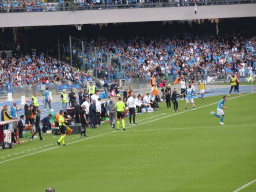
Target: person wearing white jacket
138, 103
98, 111
87, 105
131, 105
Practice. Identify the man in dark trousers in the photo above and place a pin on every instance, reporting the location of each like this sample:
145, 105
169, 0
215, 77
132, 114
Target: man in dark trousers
37, 125
92, 112
168, 98
80, 95
174, 101
26, 107
46, 122
132, 106
82, 117
72, 98
77, 110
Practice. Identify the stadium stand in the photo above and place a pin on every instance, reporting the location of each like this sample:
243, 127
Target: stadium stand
61, 5
171, 57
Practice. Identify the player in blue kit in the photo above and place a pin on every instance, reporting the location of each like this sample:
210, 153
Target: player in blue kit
190, 97
220, 113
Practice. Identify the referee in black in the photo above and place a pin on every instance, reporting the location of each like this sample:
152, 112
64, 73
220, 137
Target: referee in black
174, 101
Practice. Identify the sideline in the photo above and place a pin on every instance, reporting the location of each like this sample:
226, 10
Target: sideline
246, 185
116, 131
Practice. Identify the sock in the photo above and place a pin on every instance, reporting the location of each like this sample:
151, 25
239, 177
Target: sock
123, 123
193, 107
221, 119
186, 109
215, 114
61, 138
117, 124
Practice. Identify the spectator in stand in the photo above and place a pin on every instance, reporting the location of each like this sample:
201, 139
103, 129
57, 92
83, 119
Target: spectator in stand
90, 72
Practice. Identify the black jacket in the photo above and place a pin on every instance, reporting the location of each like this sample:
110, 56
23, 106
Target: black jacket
77, 109
26, 109
92, 110
20, 125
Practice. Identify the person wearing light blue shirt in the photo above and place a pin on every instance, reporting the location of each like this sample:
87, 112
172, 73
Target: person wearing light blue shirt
47, 98
220, 107
14, 110
190, 95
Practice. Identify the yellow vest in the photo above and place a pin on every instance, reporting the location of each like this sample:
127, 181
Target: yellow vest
233, 81
65, 97
5, 117
34, 99
61, 120
201, 85
91, 89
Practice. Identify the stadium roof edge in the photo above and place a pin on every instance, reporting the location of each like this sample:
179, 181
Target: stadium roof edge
25, 19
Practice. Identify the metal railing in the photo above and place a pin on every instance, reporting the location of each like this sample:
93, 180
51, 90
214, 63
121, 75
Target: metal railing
51, 7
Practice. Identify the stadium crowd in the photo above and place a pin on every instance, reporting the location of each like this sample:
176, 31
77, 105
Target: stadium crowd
21, 70
62, 5
164, 56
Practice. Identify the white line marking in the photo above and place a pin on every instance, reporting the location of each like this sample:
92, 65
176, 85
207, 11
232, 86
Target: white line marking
246, 185
187, 111
109, 132
53, 148
168, 129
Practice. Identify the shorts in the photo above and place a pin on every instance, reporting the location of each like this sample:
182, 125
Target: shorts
220, 112
191, 100
63, 129
202, 91
120, 115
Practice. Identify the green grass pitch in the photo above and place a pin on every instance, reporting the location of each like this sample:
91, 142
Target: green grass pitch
166, 151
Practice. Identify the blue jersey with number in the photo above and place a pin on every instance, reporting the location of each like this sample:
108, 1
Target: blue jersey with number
46, 93
221, 103
189, 93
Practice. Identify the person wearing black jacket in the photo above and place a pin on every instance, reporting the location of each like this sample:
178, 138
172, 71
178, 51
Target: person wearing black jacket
25, 127
37, 125
26, 106
92, 113
80, 95
174, 101
72, 98
168, 98
77, 110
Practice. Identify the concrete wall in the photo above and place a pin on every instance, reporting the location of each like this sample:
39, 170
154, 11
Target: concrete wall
125, 15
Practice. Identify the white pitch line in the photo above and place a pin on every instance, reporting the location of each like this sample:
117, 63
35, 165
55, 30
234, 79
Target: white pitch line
220, 126
188, 110
52, 148
108, 132
246, 185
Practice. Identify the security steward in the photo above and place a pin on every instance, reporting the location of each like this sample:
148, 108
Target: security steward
233, 84
120, 106
34, 101
64, 99
91, 91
